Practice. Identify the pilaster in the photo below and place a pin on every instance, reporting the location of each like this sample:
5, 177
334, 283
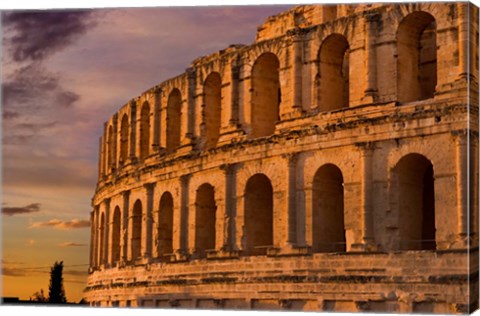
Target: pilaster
147, 222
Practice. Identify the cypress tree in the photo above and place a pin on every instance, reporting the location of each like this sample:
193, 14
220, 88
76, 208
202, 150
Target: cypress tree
56, 291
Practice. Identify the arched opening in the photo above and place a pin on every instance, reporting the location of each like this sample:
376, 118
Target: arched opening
144, 130
265, 95
416, 202
124, 139
212, 110
116, 235
328, 228
417, 57
205, 209
333, 73
136, 239
165, 224
258, 215
101, 236
174, 113
111, 151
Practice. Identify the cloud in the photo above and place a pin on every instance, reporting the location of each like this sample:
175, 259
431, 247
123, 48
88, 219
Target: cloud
31, 93
32, 242
13, 272
7, 115
18, 269
76, 272
33, 83
4, 261
72, 244
59, 224
15, 210
36, 35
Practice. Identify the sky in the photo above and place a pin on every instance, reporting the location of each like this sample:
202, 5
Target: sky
64, 73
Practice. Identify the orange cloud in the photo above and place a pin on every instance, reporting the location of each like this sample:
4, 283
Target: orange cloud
59, 224
71, 244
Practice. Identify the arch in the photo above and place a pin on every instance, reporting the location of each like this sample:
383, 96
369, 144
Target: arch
417, 57
258, 214
165, 224
136, 238
102, 238
124, 139
265, 95
213, 107
145, 130
174, 114
333, 73
205, 215
414, 185
116, 235
328, 228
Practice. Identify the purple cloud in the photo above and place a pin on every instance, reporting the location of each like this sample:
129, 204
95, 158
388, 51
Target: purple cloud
15, 210
39, 34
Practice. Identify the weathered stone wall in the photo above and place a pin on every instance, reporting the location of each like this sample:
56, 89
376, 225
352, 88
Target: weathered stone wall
394, 282
305, 154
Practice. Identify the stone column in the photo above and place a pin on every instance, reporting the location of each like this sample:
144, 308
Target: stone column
147, 220
291, 224
114, 141
366, 203
233, 117
133, 131
371, 19
461, 170
463, 39
180, 221
124, 227
163, 123
308, 198
157, 123
110, 224
95, 241
191, 225
105, 237
188, 109
297, 72
296, 62
235, 75
138, 127
245, 95
200, 124
229, 229
101, 167
104, 155
92, 238
98, 237
474, 189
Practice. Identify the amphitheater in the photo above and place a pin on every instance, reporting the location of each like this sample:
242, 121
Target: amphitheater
331, 165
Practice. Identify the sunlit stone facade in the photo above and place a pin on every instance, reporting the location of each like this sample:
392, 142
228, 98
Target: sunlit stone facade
330, 165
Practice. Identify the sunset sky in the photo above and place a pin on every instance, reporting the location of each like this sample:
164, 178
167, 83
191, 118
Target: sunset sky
64, 74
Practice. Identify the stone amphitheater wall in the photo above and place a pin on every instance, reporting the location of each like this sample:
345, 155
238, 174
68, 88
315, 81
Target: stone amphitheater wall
304, 171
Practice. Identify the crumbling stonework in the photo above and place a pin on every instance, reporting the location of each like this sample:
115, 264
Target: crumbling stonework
330, 165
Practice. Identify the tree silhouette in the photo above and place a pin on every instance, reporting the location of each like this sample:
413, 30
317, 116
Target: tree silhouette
38, 297
56, 293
